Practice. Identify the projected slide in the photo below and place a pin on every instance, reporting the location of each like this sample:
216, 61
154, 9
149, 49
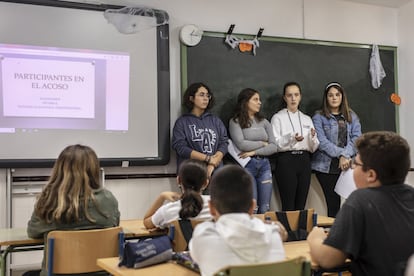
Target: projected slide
49, 88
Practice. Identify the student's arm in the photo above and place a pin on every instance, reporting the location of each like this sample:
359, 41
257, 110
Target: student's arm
240, 141
170, 196
283, 139
270, 146
325, 145
324, 255
313, 136
354, 131
216, 158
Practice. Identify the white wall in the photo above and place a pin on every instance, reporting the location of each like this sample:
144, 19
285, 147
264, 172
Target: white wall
312, 19
406, 72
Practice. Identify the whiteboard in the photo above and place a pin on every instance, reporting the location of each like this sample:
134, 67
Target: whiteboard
145, 141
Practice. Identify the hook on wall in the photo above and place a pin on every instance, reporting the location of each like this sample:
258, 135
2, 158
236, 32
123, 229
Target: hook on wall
259, 33
231, 28
244, 45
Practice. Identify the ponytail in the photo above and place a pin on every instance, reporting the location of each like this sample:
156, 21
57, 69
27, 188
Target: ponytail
191, 204
193, 175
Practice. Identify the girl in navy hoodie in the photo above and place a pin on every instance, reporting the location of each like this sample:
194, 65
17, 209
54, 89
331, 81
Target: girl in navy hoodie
198, 134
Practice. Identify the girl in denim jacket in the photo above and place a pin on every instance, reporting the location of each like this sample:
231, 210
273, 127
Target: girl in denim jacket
337, 127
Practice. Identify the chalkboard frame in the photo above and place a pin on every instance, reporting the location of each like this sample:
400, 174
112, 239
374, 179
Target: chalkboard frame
163, 96
391, 110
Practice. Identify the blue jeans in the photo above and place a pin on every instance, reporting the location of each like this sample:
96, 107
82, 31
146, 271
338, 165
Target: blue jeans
259, 168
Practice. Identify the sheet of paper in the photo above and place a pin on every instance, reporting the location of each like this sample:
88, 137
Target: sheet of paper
234, 152
345, 184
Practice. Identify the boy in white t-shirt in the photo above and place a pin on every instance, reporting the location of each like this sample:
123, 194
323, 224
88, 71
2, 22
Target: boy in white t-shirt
235, 236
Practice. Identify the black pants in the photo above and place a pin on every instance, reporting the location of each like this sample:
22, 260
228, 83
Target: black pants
293, 175
333, 200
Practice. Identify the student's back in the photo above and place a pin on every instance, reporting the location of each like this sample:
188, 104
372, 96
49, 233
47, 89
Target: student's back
235, 237
73, 197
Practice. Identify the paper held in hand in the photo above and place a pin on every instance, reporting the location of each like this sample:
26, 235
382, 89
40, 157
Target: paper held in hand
234, 152
345, 184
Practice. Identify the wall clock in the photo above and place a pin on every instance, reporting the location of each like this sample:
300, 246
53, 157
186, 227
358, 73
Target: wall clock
190, 35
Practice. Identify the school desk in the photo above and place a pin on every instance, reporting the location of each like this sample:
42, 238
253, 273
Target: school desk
292, 250
165, 269
324, 221
16, 239
321, 221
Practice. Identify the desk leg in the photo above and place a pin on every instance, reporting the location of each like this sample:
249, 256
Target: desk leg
16, 248
3, 262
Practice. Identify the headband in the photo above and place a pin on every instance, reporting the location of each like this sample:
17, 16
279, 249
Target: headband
332, 84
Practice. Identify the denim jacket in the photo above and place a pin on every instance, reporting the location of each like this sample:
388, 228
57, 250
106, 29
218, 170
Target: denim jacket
327, 130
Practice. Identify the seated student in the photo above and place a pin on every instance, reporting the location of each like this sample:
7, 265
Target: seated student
73, 198
235, 237
192, 180
374, 227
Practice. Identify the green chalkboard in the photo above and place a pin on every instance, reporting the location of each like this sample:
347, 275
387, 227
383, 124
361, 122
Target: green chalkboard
310, 63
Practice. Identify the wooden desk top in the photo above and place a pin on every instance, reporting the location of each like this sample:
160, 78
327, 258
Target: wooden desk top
17, 236
324, 221
133, 228
165, 269
294, 249
321, 221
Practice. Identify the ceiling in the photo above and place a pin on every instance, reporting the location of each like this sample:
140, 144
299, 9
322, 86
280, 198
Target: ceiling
385, 3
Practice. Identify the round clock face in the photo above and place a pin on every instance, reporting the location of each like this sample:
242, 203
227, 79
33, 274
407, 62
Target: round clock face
191, 35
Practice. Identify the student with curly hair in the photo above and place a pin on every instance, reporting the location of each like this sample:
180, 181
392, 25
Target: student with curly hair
199, 134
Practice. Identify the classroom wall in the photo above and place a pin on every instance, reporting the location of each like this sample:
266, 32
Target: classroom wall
406, 72
311, 19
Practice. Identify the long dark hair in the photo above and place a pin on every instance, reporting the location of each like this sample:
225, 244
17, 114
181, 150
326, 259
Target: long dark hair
343, 108
193, 175
241, 115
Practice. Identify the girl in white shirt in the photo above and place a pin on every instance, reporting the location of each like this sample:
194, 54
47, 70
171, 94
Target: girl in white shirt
192, 180
296, 139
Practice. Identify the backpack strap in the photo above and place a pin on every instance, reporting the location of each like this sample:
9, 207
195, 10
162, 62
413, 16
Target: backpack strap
301, 232
303, 220
281, 216
186, 229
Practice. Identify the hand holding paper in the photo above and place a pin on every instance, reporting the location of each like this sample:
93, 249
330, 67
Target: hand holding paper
345, 184
234, 152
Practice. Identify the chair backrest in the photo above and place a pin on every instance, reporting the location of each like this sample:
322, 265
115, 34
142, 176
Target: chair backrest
293, 267
180, 233
76, 251
293, 218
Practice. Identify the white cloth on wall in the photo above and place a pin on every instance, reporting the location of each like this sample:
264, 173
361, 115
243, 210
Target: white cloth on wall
375, 68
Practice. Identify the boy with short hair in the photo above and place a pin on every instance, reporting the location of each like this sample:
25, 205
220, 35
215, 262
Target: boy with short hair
235, 237
375, 226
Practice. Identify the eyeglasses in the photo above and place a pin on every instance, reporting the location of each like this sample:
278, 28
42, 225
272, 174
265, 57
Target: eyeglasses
355, 163
202, 95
